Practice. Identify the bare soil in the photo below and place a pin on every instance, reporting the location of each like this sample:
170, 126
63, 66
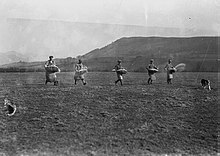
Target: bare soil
103, 119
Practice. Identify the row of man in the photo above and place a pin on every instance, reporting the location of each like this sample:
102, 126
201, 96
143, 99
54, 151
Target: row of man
79, 75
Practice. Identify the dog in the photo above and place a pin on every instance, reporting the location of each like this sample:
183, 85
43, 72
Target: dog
206, 84
10, 108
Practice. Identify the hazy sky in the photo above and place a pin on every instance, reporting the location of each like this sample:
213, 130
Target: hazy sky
189, 16
203, 14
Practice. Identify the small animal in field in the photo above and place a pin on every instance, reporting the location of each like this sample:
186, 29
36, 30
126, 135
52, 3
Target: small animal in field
10, 108
206, 84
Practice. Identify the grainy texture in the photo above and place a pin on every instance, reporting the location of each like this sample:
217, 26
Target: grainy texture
103, 119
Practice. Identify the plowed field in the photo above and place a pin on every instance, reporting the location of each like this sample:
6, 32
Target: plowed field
103, 119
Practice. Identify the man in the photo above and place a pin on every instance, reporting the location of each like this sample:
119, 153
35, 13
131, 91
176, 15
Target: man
151, 72
119, 74
169, 68
50, 76
79, 74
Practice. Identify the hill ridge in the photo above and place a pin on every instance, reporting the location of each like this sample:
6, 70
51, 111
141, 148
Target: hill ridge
136, 52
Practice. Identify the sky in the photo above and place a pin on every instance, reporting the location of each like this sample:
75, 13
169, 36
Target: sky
95, 23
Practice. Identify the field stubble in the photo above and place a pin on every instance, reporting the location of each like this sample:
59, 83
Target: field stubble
103, 119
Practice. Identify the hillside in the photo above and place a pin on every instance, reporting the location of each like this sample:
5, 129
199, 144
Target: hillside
41, 38
65, 64
199, 54
12, 56
157, 46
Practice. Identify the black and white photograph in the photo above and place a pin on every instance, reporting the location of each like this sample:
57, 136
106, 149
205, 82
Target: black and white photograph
109, 77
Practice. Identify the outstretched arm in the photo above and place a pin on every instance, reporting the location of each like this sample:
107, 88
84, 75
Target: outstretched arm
54, 63
77, 68
46, 64
165, 68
